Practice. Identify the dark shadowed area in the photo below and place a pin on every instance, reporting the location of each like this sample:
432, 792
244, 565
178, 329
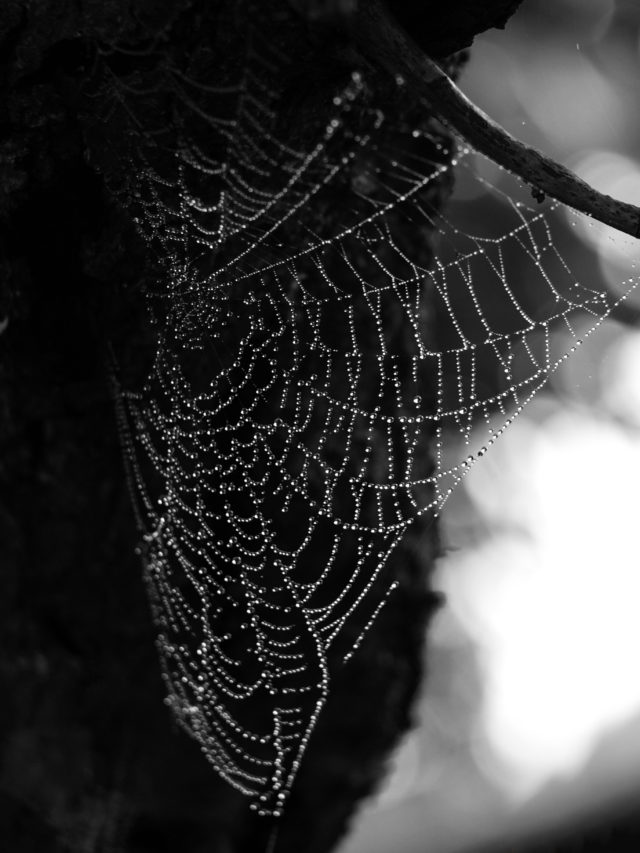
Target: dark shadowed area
90, 757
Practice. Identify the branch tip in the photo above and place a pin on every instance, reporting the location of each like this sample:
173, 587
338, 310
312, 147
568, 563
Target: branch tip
385, 44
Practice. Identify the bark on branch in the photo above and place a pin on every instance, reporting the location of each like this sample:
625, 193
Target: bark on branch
385, 44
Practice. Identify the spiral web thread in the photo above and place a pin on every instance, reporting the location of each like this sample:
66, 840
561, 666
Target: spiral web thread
313, 366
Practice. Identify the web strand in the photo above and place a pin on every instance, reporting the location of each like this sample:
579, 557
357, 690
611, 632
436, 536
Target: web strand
313, 364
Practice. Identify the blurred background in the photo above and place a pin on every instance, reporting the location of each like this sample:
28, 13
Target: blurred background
528, 730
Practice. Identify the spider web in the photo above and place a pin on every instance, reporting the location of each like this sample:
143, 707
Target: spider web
313, 363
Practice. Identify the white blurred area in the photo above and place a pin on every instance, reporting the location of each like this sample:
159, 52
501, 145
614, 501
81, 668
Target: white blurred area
530, 715
550, 597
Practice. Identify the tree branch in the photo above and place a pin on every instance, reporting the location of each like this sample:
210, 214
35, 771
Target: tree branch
385, 44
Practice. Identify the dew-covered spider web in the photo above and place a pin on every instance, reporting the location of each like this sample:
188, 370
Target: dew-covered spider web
324, 332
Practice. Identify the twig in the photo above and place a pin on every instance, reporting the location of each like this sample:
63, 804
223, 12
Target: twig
385, 44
